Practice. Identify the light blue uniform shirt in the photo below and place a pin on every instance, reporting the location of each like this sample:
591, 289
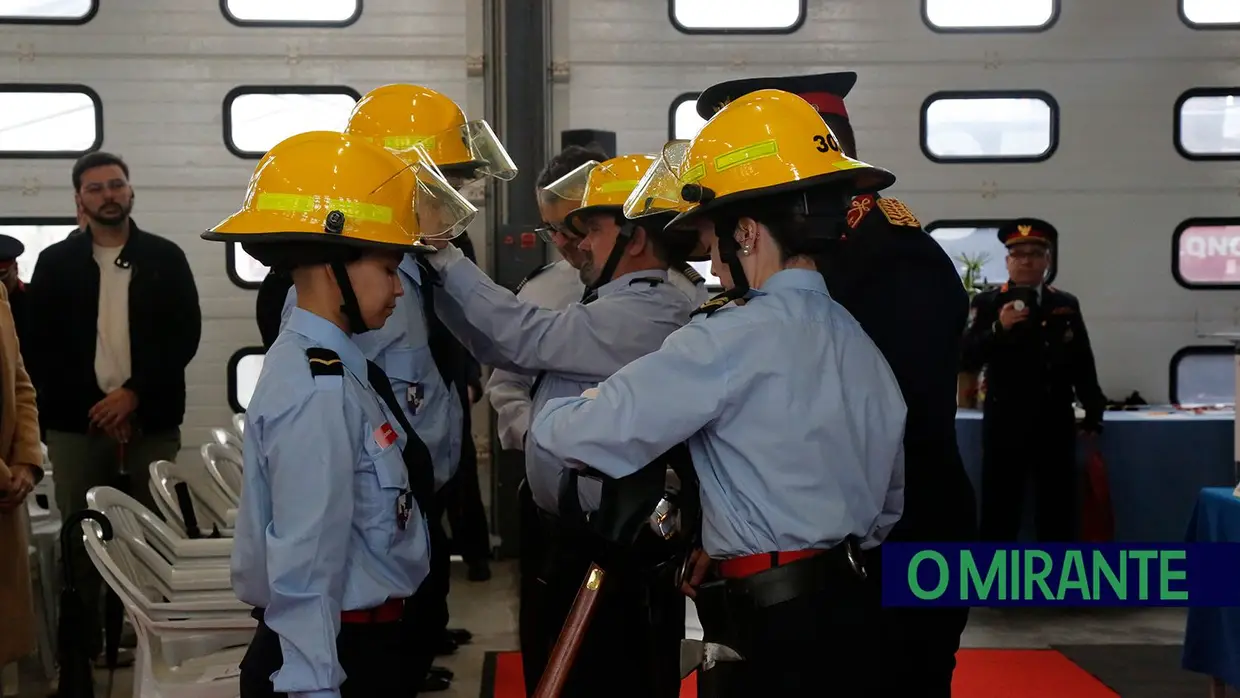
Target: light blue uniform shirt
557, 285
793, 417
577, 346
401, 348
317, 529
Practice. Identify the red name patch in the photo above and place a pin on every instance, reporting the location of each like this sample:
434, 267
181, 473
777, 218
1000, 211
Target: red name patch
385, 435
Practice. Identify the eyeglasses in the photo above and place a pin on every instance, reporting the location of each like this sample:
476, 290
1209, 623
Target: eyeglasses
547, 232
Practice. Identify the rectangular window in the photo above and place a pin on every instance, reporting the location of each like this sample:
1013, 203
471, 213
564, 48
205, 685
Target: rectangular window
975, 243
48, 11
683, 121
1210, 14
1205, 253
49, 121
1207, 124
36, 234
243, 369
256, 118
989, 126
989, 15
244, 270
737, 16
330, 13
1203, 375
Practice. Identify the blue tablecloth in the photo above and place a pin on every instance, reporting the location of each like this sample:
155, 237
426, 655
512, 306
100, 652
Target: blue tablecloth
1212, 635
1158, 459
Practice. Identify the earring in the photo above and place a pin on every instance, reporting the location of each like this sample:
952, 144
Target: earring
745, 250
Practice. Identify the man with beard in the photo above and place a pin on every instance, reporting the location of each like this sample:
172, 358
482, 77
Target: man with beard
119, 322
905, 292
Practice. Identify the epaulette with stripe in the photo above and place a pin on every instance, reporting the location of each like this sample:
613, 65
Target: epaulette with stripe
691, 274
714, 305
324, 362
893, 210
533, 274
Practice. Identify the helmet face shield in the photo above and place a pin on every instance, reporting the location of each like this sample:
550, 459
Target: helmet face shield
572, 186
659, 190
490, 156
442, 213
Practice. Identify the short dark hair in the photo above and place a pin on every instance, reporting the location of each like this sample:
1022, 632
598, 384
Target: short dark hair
569, 159
90, 161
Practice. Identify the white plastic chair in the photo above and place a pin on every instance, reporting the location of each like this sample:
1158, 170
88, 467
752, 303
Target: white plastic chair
229, 440
222, 464
212, 507
131, 516
159, 672
164, 578
44, 531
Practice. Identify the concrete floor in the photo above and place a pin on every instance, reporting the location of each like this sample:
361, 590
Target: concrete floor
489, 610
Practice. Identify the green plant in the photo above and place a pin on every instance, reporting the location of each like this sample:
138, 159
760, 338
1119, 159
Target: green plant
972, 278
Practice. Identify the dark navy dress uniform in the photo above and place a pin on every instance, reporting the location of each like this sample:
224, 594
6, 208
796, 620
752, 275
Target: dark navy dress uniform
1034, 370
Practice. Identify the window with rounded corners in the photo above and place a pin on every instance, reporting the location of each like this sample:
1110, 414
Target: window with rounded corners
49, 121
1210, 14
1203, 375
1205, 253
244, 366
36, 234
976, 242
1010, 126
256, 117
1207, 123
989, 15
243, 270
291, 13
712, 281
48, 11
682, 117
737, 16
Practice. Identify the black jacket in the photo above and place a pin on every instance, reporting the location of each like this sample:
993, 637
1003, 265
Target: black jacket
165, 324
906, 294
1040, 364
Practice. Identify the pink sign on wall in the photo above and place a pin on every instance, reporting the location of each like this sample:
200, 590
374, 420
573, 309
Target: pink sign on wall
1210, 254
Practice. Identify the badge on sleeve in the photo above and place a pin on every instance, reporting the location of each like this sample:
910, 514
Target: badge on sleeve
414, 397
404, 505
385, 435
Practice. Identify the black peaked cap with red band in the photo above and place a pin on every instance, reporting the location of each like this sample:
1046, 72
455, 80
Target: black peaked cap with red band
10, 248
1026, 230
826, 91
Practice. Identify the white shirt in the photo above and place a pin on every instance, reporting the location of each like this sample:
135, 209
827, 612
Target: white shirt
112, 360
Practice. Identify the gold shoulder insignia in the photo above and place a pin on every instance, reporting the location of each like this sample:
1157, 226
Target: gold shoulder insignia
690, 273
713, 305
723, 104
324, 362
897, 213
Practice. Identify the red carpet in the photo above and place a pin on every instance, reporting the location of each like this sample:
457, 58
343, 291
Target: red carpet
979, 674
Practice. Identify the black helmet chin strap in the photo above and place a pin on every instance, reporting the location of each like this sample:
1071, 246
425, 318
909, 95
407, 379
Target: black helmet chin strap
729, 253
350, 307
623, 238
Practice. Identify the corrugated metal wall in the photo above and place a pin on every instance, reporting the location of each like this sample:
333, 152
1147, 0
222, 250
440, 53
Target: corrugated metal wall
1115, 187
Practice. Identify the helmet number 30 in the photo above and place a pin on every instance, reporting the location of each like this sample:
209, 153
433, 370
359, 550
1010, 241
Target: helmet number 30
827, 143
